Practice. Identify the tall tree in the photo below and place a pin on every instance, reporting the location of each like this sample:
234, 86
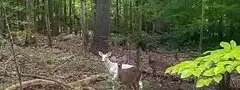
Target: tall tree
84, 29
102, 26
70, 16
48, 24
2, 26
139, 29
30, 22
65, 15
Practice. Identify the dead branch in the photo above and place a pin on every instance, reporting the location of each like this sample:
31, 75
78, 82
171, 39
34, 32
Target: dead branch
40, 77
30, 83
90, 79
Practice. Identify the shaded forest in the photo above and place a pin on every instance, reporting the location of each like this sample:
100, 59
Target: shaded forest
55, 44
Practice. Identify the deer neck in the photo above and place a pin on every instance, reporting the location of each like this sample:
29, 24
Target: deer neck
109, 64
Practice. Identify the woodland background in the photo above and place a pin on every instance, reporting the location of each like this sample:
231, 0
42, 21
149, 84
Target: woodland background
59, 39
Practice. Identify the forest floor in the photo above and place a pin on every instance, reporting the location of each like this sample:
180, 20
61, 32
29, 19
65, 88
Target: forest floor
66, 62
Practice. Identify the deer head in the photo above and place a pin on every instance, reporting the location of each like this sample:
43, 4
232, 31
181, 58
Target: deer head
104, 56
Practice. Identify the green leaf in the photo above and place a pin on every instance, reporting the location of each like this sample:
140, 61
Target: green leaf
208, 64
238, 69
230, 68
225, 45
217, 78
233, 43
186, 73
223, 63
169, 69
209, 72
200, 83
227, 56
175, 69
219, 70
197, 72
207, 81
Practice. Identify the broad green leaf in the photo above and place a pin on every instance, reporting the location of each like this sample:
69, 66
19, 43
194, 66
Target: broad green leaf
223, 63
196, 72
181, 69
233, 43
227, 56
200, 83
175, 69
217, 78
208, 64
230, 68
207, 81
169, 69
209, 72
186, 73
225, 45
238, 69
219, 70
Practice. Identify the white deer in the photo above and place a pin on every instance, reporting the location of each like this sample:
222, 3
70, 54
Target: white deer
113, 67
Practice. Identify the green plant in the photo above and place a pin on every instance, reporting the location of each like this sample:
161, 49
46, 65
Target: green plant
212, 66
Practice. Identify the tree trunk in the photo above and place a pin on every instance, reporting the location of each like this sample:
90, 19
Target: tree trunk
30, 23
117, 15
84, 30
2, 26
53, 9
70, 16
130, 16
21, 15
48, 24
101, 33
65, 16
139, 28
93, 14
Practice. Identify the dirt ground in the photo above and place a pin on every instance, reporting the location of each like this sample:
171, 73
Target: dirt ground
66, 63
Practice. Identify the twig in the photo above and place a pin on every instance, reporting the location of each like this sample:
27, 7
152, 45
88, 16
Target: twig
13, 51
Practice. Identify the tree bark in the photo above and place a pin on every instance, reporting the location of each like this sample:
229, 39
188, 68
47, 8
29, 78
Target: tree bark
70, 16
2, 26
48, 24
84, 30
102, 30
65, 16
21, 14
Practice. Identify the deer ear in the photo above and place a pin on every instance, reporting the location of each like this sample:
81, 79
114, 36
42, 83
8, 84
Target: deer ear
100, 53
109, 54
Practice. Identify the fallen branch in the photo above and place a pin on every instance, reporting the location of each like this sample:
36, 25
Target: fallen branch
90, 79
39, 77
31, 84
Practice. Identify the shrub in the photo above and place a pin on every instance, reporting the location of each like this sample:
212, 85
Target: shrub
211, 66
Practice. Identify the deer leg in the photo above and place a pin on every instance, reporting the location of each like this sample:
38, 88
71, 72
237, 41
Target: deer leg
136, 86
140, 84
113, 81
